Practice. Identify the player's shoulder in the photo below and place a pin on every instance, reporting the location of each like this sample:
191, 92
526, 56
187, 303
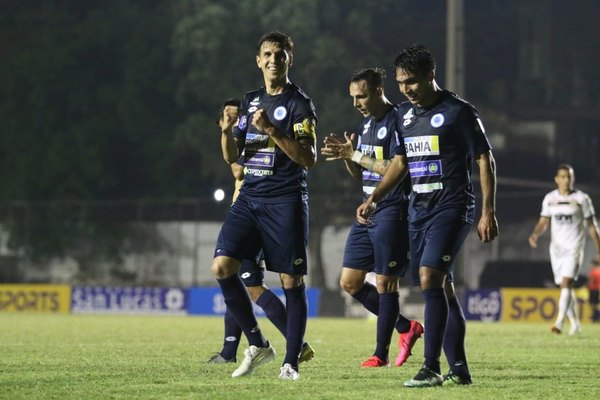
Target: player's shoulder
299, 97
253, 95
298, 92
581, 195
454, 102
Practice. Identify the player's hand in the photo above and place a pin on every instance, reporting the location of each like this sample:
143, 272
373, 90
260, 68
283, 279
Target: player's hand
487, 229
533, 241
364, 211
261, 121
337, 149
228, 118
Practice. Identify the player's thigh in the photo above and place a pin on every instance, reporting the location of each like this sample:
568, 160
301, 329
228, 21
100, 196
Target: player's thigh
284, 233
389, 239
437, 245
358, 252
565, 263
239, 237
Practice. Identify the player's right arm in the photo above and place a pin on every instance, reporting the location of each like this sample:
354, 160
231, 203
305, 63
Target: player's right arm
394, 174
538, 230
238, 173
355, 160
229, 144
594, 233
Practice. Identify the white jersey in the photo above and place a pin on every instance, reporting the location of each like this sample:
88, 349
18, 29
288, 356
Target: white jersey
568, 214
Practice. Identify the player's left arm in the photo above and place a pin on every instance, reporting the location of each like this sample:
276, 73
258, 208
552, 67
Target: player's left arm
301, 150
487, 228
594, 233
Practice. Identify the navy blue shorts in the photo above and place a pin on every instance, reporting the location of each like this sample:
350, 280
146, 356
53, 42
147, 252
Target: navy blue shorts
279, 229
381, 247
436, 243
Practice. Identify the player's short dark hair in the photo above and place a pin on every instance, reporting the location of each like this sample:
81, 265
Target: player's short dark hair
566, 167
229, 102
416, 59
373, 76
277, 37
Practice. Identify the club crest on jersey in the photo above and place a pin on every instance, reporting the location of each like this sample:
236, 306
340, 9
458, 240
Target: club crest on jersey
437, 120
382, 132
243, 122
280, 113
408, 117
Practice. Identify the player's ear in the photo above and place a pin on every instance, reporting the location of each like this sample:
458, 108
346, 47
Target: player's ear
258, 61
291, 56
430, 76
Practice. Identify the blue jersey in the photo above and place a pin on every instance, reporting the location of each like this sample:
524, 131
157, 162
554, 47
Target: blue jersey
378, 140
441, 143
269, 174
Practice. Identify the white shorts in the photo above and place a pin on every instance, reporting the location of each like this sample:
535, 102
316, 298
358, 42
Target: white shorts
565, 263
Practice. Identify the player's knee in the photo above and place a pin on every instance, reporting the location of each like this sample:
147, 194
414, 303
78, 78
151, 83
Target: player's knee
222, 269
255, 292
350, 286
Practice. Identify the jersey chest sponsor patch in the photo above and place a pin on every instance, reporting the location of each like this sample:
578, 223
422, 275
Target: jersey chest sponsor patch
425, 168
422, 146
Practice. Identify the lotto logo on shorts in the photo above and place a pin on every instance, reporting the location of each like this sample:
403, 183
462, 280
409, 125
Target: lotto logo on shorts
298, 261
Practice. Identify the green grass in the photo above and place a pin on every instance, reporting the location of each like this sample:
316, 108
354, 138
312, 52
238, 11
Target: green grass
137, 357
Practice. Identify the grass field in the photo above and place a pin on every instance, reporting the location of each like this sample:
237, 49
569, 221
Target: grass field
138, 357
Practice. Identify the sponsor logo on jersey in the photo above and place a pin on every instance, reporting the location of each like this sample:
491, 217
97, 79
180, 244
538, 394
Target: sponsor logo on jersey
257, 171
252, 109
422, 146
437, 120
255, 101
261, 160
258, 142
375, 152
382, 132
563, 219
425, 168
280, 113
366, 127
408, 117
427, 187
305, 129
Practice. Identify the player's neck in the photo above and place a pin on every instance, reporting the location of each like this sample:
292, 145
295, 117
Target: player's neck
565, 192
275, 87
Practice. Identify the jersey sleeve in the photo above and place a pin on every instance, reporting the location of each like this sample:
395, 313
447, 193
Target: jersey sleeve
241, 126
546, 208
305, 120
470, 128
587, 207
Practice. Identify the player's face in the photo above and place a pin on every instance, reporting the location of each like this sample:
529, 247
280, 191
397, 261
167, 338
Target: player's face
565, 180
363, 99
273, 61
419, 90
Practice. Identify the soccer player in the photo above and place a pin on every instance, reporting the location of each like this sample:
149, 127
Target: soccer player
443, 135
251, 272
381, 246
568, 211
275, 135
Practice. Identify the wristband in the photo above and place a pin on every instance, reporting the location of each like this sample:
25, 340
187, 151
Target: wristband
356, 156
